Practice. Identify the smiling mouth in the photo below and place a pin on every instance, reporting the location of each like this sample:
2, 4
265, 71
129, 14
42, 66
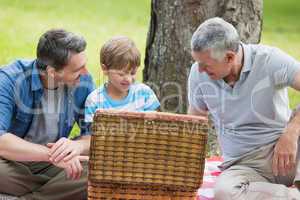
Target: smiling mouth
125, 84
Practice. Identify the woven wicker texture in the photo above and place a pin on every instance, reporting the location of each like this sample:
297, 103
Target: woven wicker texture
146, 155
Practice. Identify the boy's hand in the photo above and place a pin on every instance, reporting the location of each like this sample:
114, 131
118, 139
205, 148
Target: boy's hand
73, 167
64, 149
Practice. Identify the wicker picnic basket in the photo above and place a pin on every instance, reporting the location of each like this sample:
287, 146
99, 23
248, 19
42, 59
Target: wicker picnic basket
153, 155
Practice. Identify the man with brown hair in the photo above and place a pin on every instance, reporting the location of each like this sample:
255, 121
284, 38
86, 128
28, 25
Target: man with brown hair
40, 101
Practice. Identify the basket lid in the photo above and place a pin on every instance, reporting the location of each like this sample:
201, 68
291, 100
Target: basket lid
153, 115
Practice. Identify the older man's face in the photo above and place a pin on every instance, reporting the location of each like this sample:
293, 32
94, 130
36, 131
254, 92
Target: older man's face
214, 68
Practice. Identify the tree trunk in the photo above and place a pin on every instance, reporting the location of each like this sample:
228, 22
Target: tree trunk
168, 59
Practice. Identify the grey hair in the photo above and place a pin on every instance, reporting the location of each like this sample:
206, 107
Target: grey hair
56, 46
217, 35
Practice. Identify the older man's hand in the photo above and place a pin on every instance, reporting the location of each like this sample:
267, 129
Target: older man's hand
285, 152
73, 168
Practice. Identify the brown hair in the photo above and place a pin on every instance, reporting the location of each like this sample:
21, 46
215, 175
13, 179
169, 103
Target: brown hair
119, 53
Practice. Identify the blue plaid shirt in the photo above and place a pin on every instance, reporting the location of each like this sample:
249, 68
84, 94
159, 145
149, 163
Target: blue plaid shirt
21, 89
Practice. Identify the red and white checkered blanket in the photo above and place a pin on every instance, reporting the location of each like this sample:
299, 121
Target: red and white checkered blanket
206, 192
211, 172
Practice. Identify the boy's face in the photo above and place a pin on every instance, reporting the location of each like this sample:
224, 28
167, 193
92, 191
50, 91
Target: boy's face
121, 79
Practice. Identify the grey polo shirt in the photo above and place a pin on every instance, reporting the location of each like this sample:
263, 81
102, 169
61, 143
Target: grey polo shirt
256, 110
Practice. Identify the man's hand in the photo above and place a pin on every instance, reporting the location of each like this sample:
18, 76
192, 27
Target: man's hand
285, 153
73, 167
64, 149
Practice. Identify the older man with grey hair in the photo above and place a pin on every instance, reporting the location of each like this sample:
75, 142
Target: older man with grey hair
244, 89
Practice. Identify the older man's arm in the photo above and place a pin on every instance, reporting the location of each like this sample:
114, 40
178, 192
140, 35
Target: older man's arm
285, 151
193, 111
296, 82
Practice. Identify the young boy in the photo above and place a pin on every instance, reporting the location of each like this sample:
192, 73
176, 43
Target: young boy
119, 60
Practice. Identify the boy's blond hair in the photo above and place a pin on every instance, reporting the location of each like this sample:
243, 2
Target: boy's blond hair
120, 53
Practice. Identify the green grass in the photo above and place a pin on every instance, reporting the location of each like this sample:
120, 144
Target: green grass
22, 23
281, 28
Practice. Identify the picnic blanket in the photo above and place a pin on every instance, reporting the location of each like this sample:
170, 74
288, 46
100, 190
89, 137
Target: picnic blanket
211, 172
206, 192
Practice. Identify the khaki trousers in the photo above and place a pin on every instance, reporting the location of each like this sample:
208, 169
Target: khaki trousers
40, 181
251, 178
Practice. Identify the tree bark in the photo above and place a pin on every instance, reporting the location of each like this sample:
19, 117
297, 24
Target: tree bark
168, 59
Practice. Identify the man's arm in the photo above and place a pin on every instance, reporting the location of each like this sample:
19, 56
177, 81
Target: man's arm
17, 149
84, 141
296, 82
197, 105
66, 149
11, 146
285, 150
192, 111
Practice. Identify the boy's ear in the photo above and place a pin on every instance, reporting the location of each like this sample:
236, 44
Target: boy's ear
104, 69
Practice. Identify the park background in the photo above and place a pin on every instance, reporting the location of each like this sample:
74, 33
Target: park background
23, 22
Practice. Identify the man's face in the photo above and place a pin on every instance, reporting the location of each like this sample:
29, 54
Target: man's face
70, 73
214, 68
